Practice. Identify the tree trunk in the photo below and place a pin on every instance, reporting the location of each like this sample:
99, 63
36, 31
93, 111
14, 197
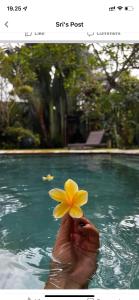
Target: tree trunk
43, 126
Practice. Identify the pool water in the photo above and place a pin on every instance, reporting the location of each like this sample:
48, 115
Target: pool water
27, 228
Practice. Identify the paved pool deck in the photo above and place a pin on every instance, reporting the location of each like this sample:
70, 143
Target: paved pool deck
70, 151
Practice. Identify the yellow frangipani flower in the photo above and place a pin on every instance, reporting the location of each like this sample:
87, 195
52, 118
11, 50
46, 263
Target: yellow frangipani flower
48, 177
71, 198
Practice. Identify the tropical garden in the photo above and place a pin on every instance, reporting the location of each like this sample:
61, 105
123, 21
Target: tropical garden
55, 94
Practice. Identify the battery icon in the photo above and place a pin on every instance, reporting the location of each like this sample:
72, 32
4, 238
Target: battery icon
129, 8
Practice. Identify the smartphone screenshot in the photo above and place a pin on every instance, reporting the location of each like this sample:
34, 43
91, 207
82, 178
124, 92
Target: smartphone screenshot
69, 150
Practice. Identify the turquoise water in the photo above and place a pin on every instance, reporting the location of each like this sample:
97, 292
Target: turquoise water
27, 228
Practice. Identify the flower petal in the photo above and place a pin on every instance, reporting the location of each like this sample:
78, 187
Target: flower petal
76, 212
60, 210
58, 195
71, 188
80, 198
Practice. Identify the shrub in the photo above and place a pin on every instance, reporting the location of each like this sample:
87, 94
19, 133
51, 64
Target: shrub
19, 137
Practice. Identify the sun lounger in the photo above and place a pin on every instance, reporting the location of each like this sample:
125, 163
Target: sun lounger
94, 139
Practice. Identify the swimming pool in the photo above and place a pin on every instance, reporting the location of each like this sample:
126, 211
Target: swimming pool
27, 228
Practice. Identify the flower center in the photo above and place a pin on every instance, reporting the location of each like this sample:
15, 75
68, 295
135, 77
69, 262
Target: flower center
69, 200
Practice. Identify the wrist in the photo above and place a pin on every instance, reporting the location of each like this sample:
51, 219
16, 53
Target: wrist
62, 281
62, 278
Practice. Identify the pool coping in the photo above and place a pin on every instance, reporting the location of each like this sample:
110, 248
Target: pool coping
70, 151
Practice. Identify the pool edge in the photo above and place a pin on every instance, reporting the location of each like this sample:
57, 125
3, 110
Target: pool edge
71, 151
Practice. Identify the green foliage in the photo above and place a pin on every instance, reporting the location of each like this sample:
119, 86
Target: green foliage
24, 91
58, 80
19, 137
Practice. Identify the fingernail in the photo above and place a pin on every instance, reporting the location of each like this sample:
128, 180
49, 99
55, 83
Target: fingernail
81, 224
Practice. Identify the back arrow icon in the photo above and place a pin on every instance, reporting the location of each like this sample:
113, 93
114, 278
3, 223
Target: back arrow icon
6, 24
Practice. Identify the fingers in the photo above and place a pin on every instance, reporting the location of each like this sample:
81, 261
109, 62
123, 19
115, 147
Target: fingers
65, 230
83, 224
78, 231
86, 233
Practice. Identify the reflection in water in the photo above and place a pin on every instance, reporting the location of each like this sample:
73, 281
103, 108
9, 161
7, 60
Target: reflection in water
27, 228
23, 269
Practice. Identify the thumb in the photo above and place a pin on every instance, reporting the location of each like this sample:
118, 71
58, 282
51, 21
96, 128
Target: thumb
65, 229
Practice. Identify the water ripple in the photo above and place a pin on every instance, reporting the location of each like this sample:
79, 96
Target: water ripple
19, 269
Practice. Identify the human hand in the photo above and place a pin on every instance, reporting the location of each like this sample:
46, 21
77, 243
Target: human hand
75, 251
